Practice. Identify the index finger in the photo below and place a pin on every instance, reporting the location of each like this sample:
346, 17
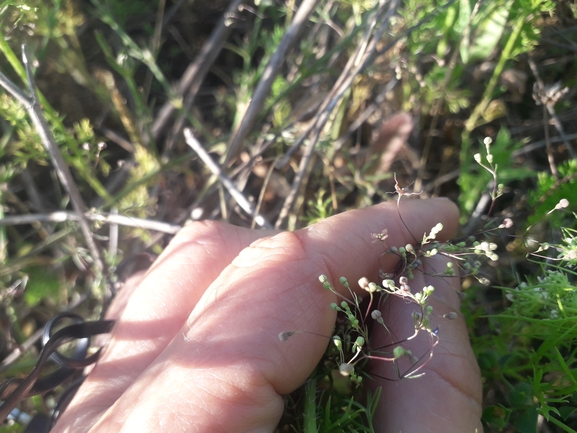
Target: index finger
226, 370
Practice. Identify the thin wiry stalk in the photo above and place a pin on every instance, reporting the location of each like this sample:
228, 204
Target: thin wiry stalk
32, 106
154, 47
113, 236
268, 77
528, 148
110, 218
194, 75
357, 62
225, 180
262, 193
436, 110
367, 112
549, 107
473, 121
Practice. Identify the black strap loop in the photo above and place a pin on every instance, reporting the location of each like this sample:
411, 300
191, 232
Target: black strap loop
14, 390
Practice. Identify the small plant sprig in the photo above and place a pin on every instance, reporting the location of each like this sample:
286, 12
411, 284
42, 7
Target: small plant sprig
352, 341
464, 252
491, 167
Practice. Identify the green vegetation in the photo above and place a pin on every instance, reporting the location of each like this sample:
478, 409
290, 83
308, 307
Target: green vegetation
292, 106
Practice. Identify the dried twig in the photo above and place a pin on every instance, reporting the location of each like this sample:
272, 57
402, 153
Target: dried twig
194, 75
362, 57
541, 143
268, 77
548, 97
225, 180
367, 51
109, 218
367, 112
436, 110
32, 105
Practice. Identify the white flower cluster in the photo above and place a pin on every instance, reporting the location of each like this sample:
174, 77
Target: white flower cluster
487, 249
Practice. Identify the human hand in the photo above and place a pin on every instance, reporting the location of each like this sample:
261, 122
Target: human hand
196, 346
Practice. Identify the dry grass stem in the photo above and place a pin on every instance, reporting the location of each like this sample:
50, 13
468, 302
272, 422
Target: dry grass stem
224, 179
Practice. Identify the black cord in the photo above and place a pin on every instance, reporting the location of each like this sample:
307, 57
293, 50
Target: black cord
13, 391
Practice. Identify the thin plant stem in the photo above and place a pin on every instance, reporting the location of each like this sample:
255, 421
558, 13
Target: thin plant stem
189, 85
155, 46
357, 62
224, 179
268, 77
32, 105
47, 111
12, 57
265, 184
437, 104
473, 120
109, 218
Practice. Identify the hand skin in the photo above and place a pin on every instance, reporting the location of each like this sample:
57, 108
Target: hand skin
196, 346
